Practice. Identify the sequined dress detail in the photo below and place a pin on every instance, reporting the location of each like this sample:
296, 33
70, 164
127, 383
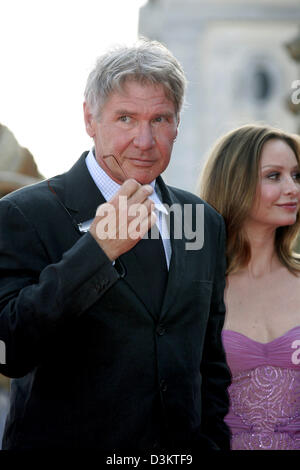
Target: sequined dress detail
264, 395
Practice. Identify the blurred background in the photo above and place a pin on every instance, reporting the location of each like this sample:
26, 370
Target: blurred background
241, 57
48, 49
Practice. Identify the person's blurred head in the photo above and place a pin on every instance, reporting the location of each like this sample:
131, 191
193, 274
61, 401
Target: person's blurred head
17, 165
252, 176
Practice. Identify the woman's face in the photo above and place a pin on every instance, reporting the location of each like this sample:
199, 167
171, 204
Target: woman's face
278, 190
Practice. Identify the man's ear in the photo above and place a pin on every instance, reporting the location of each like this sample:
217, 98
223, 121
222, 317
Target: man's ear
176, 132
89, 120
178, 122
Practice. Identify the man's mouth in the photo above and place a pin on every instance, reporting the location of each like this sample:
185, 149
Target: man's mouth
144, 162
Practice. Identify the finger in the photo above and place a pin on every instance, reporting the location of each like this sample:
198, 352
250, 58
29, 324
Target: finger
150, 206
139, 211
133, 189
138, 227
105, 209
141, 195
128, 188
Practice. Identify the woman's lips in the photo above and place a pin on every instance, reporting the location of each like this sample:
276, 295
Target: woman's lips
291, 206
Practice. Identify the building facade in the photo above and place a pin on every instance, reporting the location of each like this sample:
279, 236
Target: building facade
238, 69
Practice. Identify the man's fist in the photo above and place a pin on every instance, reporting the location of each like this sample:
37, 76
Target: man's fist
121, 222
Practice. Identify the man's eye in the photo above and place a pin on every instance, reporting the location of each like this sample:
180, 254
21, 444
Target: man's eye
124, 118
159, 119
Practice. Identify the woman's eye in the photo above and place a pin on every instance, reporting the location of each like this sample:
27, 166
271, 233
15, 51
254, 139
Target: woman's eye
296, 176
273, 176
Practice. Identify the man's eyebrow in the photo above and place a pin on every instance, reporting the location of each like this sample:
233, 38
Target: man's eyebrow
166, 114
124, 112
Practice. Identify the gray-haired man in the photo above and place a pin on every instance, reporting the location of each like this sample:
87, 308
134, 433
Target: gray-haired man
113, 338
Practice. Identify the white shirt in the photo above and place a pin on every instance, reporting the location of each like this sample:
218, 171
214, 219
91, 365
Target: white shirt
109, 187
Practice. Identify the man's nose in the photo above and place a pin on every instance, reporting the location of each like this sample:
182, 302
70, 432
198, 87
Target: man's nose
144, 138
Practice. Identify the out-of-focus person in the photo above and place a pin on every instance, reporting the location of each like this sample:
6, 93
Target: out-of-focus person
17, 165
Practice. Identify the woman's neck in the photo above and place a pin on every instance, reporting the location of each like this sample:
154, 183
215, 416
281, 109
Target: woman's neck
264, 258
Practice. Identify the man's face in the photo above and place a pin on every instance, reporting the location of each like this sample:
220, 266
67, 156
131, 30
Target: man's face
137, 126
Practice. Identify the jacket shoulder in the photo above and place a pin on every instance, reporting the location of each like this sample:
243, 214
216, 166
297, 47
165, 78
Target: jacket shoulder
186, 197
30, 192
36, 202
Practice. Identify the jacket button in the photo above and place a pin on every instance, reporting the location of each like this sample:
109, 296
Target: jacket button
99, 286
155, 445
163, 385
160, 330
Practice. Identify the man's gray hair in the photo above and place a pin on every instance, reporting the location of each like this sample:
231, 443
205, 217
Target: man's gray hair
145, 62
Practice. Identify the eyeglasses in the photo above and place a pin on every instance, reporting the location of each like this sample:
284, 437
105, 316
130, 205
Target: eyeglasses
118, 163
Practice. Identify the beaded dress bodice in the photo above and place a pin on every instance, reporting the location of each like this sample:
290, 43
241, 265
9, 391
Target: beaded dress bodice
265, 391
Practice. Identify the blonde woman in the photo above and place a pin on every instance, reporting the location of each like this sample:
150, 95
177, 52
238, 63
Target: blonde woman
252, 177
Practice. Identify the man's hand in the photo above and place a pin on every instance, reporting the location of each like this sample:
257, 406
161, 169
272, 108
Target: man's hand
121, 222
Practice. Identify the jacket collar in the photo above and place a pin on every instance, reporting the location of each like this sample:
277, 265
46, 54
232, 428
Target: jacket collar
78, 192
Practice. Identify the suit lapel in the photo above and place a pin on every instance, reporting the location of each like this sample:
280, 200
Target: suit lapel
78, 192
135, 279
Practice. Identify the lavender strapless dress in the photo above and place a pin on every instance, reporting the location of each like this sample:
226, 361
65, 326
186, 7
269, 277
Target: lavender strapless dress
264, 395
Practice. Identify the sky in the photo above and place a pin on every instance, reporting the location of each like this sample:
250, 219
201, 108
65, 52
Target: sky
48, 48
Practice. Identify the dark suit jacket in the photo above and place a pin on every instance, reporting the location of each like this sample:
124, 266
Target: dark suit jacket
92, 366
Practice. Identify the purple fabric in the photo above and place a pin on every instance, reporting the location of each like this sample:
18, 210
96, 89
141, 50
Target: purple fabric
265, 391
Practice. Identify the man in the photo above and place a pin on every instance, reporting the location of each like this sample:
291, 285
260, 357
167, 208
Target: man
113, 338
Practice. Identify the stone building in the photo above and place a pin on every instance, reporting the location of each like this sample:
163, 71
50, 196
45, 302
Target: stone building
239, 71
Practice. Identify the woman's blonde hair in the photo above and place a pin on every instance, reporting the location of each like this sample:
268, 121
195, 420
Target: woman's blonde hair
228, 183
